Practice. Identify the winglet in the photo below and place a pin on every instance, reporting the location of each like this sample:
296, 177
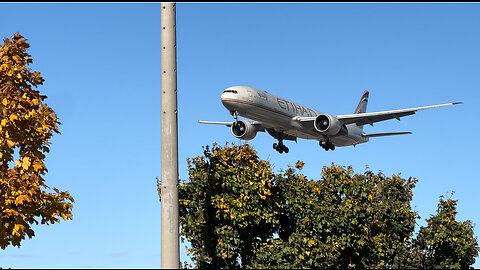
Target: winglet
455, 103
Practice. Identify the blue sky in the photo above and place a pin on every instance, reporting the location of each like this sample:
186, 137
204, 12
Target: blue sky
101, 63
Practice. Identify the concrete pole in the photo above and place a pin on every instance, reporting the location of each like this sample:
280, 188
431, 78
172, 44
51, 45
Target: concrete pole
169, 136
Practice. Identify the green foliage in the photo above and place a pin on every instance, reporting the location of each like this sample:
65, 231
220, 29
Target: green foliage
236, 212
445, 242
345, 220
227, 209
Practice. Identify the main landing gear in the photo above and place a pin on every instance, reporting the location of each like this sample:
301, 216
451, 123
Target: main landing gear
280, 147
280, 136
327, 145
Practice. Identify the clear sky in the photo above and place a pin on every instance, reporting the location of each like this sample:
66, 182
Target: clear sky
101, 63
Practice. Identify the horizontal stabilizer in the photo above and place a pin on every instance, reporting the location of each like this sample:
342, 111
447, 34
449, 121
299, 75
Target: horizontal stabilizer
385, 134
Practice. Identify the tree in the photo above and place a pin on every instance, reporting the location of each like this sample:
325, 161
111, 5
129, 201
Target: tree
445, 242
26, 126
227, 210
345, 220
236, 212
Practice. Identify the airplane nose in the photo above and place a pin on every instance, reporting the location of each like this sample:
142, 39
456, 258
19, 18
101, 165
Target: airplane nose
227, 101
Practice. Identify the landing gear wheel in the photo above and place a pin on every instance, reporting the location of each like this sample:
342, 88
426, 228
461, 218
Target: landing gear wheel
327, 145
280, 147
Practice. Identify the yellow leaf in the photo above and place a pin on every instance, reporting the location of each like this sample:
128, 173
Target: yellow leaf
224, 255
4, 122
37, 166
10, 211
18, 163
35, 101
17, 228
20, 199
19, 76
5, 101
13, 117
370, 197
26, 163
10, 143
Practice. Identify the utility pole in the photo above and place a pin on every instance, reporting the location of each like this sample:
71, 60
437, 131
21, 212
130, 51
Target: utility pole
169, 136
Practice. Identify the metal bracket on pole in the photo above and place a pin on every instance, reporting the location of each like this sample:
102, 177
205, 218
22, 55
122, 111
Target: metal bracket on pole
169, 139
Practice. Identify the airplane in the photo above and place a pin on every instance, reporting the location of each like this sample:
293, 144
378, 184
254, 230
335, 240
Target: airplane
286, 120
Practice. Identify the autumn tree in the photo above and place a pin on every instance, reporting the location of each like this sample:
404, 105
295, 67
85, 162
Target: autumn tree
236, 212
26, 126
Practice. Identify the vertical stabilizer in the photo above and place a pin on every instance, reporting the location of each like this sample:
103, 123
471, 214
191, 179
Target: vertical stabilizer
362, 105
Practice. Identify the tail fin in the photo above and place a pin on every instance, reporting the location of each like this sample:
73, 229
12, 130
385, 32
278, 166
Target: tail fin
362, 105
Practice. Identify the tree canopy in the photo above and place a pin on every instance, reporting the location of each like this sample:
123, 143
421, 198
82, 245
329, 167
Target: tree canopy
26, 126
236, 212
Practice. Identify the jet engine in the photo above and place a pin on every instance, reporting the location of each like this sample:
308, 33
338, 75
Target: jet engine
327, 124
244, 130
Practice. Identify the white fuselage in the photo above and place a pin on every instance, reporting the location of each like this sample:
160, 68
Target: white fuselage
279, 114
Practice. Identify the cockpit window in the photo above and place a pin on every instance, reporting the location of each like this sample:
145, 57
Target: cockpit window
230, 91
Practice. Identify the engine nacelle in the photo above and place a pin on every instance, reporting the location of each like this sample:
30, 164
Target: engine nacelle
244, 130
327, 124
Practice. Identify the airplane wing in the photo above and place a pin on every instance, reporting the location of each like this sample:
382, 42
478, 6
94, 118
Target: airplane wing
385, 134
257, 124
228, 124
372, 117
